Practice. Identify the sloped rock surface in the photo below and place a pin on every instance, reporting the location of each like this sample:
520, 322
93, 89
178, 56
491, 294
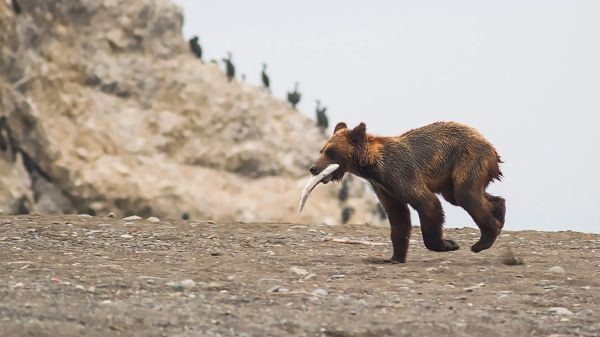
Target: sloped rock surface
106, 102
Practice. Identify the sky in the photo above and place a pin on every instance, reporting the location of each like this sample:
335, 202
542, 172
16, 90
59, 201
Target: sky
526, 74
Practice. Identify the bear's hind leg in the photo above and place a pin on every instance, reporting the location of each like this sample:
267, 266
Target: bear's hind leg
480, 209
431, 216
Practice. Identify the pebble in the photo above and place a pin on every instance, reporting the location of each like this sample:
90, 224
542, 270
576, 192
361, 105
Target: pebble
18, 285
310, 276
214, 286
103, 225
126, 236
274, 289
132, 218
85, 216
319, 292
187, 283
560, 311
153, 219
181, 285
407, 281
337, 276
79, 287
299, 271
557, 270
111, 215
430, 269
587, 312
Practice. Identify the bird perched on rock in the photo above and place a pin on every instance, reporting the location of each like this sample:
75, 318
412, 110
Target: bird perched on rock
347, 213
265, 78
16, 7
294, 96
195, 47
229, 68
322, 120
343, 193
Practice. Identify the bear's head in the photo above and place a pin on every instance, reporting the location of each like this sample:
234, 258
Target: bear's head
343, 148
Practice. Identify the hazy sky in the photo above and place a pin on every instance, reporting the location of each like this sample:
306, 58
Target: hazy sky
525, 73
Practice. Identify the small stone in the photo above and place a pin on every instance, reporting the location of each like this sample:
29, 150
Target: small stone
561, 311
153, 219
503, 296
214, 286
337, 276
111, 215
319, 292
299, 271
430, 269
132, 218
106, 302
103, 225
129, 223
79, 287
407, 281
310, 276
188, 284
85, 216
556, 270
18, 285
587, 312
192, 296
126, 236
274, 289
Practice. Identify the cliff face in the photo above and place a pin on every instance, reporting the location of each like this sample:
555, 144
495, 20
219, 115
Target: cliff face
103, 108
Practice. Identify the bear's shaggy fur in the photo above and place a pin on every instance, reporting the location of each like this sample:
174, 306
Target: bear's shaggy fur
447, 158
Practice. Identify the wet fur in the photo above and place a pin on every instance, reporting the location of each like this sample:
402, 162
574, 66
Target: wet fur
444, 158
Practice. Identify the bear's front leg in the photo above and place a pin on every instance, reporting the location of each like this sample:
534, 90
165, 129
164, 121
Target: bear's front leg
400, 225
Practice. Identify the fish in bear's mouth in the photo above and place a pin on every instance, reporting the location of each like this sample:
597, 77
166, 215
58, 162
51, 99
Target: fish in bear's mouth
324, 177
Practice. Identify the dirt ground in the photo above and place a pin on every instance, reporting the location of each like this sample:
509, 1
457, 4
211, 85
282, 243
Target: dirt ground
94, 276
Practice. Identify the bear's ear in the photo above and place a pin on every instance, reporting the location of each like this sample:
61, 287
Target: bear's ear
340, 126
358, 134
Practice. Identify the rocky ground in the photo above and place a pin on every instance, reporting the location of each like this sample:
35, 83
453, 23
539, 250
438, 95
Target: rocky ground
95, 276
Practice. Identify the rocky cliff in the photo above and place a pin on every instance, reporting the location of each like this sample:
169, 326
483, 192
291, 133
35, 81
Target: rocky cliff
103, 108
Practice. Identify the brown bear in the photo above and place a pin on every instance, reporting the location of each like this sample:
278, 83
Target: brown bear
448, 158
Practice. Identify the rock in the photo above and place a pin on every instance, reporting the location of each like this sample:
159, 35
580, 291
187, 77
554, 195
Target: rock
561, 311
111, 215
87, 216
132, 218
556, 270
153, 219
319, 292
154, 133
406, 281
188, 284
310, 277
299, 271
510, 259
126, 236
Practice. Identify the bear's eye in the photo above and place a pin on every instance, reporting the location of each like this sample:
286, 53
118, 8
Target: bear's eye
329, 153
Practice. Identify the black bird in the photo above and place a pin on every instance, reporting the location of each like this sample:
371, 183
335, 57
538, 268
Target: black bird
343, 194
294, 96
381, 212
195, 47
347, 213
265, 78
16, 7
229, 68
322, 120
